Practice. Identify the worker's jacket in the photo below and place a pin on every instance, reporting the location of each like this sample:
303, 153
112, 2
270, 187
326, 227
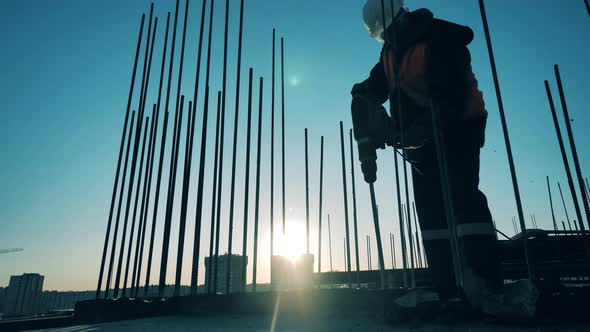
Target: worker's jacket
434, 65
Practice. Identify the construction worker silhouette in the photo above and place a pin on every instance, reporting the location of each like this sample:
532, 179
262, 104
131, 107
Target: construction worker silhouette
425, 67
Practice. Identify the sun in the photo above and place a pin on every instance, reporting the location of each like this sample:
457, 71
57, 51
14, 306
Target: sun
294, 81
293, 244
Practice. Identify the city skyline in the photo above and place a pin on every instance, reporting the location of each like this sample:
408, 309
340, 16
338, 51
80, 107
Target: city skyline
64, 111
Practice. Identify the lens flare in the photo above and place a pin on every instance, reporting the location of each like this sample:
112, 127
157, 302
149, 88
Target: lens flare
292, 245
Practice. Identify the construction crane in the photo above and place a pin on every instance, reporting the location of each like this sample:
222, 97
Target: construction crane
6, 251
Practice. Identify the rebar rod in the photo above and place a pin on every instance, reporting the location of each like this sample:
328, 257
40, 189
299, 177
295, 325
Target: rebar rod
345, 196
409, 223
156, 122
257, 203
171, 194
148, 184
202, 162
530, 269
272, 151
368, 253
551, 205
306, 193
141, 243
514, 225
140, 227
418, 252
247, 185
320, 207
173, 170
587, 3
200, 193
235, 146
117, 172
162, 146
221, 144
188, 155
283, 131
566, 164
119, 206
377, 235
371, 252
142, 216
570, 134
401, 224
393, 86
188, 152
345, 262
213, 237
137, 195
567, 217
330, 243
418, 242
192, 110
134, 155
405, 172
354, 212
143, 197
392, 250
447, 194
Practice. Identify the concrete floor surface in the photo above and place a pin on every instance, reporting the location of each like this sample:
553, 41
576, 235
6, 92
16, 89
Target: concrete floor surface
260, 323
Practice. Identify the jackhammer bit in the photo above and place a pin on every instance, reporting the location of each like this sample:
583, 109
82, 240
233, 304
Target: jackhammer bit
378, 234
368, 122
368, 159
371, 127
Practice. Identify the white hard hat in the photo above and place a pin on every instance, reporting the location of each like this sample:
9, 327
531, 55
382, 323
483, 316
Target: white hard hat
373, 17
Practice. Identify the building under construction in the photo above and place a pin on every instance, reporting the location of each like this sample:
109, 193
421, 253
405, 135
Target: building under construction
154, 180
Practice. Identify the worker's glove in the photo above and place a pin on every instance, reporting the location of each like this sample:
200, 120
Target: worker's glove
370, 120
380, 127
372, 130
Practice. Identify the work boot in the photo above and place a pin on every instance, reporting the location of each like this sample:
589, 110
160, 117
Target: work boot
513, 302
416, 305
416, 298
423, 305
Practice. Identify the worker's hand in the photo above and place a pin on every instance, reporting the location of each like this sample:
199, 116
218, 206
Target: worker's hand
380, 128
371, 131
370, 120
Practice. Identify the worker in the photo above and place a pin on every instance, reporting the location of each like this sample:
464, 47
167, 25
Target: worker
429, 59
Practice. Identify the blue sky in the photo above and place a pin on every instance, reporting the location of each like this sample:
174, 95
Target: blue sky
65, 72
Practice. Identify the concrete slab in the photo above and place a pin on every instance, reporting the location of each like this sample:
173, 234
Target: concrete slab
256, 323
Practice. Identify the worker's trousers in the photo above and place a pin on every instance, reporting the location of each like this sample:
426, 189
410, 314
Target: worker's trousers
475, 229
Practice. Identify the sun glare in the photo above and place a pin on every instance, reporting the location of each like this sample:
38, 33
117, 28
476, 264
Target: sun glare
293, 244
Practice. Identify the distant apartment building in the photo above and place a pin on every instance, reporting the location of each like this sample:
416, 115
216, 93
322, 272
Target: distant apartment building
23, 294
57, 300
2, 297
235, 278
287, 274
153, 291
